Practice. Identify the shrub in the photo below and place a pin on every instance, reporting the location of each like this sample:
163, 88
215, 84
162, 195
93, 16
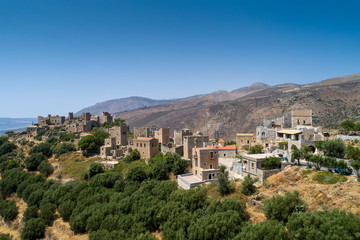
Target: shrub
47, 211
133, 156
44, 148
66, 208
247, 186
8, 209
224, 186
34, 160
272, 162
255, 149
45, 168
281, 207
33, 229
5, 236
136, 174
333, 224
30, 212
62, 148
267, 230
329, 178
7, 148
95, 168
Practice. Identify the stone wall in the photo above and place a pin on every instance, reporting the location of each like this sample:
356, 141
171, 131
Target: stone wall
264, 174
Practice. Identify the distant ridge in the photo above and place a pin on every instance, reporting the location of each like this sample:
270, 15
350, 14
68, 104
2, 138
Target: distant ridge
123, 104
332, 101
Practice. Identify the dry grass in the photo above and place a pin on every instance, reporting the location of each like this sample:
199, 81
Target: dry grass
342, 195
256, 215
72, 165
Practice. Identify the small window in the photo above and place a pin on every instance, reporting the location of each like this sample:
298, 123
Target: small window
137, 144
211, 154
252, 165
211, 166
204, 164
195, 172
144, 144
224, 154
140, 144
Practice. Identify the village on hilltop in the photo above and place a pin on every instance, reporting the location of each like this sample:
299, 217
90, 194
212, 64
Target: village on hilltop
277, 138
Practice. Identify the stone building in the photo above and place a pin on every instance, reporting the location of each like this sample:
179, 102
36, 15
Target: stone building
85, 123
179, 136
142, 132
110, 150
51, 120
163, 135
120, 133
148, 147
301, 117
253, 165
245, 139
106, 118
172, 148
193, 141
228, 151
205, 163
71, 116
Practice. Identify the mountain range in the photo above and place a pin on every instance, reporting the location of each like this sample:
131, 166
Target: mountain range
241, 110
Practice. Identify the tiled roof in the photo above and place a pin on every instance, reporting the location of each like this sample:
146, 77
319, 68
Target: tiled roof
228, 147
221, 141
144, 138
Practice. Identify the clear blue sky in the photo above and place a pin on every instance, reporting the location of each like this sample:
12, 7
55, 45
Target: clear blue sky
61, 56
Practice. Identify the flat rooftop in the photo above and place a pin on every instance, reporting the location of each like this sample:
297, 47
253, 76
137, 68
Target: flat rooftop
191, 179
259, 156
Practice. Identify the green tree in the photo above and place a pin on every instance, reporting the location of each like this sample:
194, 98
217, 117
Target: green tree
62, 148
281, 207
136, 174
47, 212
247, 186
40, 134
317, 160
332, 148
5, 236
33, 229
329, 163
95, 168
7, 147
353, 153
224, 186
30, 212
272, 162
8, 209
89, 145
66, 208
268, 230
100, 135
333, 224
34, 160
159, 170
45, 168
296, 153
255, 149
133, 156
348, 125
44, 148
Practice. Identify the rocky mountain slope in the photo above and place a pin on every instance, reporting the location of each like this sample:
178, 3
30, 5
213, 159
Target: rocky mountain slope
125, 104
332, 101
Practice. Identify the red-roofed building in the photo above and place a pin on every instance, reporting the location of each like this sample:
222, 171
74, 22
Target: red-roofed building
221, 143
